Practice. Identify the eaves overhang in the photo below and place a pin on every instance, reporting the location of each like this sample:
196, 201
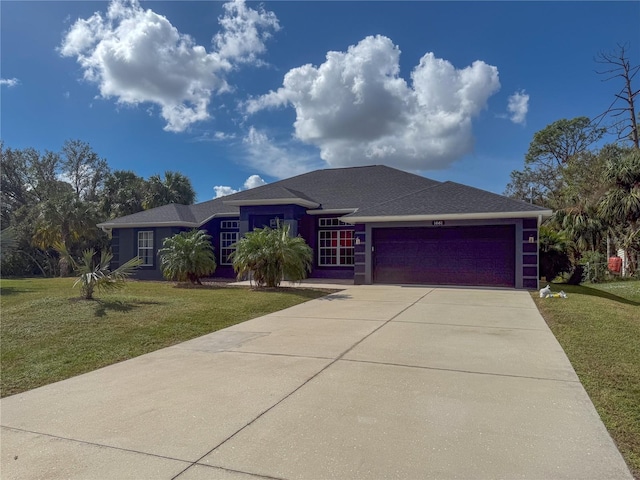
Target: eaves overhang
332, 211
444, 216
171, 223
148, 224
272, 201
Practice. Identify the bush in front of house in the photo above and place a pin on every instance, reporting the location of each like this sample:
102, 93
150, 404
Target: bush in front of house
270, 255
554, 257
187, 256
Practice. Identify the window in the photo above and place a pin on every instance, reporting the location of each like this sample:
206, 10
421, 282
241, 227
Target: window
145, 247
331, 222
226, 240
229, 224
335, 247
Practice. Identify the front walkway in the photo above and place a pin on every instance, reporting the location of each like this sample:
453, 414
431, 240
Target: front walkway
370, 382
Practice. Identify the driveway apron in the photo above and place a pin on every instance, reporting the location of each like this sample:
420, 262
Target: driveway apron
370, 382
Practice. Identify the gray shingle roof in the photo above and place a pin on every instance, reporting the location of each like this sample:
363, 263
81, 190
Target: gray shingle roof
174, 215
374, 191
342, 188
448, 198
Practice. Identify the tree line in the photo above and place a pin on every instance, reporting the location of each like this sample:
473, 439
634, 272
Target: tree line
593, 188
50, 198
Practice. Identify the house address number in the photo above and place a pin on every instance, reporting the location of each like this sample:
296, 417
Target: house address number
438, 223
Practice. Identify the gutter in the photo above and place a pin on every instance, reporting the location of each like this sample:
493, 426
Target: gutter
444, 216
273, 201
172, 223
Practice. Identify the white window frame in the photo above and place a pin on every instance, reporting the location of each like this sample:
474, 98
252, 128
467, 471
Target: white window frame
338, 251
145, 247
229, 224
226, 240
331, 222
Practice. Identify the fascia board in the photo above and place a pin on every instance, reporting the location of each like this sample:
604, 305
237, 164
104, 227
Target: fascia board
444, 216
272, 201
166, 224
147, 224
332, 211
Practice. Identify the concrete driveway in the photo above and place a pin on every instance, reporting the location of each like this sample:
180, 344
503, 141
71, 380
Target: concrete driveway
371, 382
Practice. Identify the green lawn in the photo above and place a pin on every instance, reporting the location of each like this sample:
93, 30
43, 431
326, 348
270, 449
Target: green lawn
48, 334
598, 327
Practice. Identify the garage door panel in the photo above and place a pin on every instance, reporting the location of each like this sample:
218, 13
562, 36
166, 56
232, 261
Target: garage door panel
445, 256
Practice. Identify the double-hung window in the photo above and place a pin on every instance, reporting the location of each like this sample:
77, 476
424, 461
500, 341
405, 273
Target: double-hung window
145, 247
335, 246
227, 239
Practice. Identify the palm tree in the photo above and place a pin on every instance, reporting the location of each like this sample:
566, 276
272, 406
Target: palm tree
98, 276
270, 255
187, 256
621, 204
123, 194
554, 258
174, 188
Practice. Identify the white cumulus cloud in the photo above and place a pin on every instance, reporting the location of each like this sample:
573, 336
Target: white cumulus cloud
280, 160
358, 110
244, 32
252, 182
518, 107
223, 191
9, 82
137, 56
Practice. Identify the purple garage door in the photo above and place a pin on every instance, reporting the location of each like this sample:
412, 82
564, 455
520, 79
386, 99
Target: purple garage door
482, 255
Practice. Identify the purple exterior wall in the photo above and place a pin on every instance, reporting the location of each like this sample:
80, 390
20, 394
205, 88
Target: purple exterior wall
360, 266
530, 248
124, 246
301, 224
124, 242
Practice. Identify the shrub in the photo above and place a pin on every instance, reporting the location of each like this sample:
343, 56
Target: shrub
187, 256
554, 258
595, 267
270, 255
97, 275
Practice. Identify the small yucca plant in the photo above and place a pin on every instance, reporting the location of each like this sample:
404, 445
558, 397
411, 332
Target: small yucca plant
98, 276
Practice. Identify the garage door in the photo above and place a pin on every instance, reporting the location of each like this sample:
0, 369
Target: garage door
483, 255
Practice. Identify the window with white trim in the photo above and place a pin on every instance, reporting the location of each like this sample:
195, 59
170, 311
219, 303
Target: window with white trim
145, 247
335, 248
227, 239
330, 222
229, 224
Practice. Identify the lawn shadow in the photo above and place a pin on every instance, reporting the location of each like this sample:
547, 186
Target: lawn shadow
104, 306
6, 291
594, 292
204, 286
333, 296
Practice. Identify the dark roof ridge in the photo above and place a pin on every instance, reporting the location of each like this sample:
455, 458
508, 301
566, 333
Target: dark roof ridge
300, 194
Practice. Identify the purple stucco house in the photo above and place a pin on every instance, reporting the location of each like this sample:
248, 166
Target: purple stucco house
372, 224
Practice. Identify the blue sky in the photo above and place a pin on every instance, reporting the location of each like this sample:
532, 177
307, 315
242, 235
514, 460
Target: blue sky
233, 94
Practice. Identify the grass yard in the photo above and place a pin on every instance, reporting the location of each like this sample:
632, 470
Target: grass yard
598, 327
48, 333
